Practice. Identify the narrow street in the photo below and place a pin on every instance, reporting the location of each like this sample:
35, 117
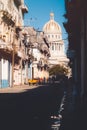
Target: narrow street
31, 109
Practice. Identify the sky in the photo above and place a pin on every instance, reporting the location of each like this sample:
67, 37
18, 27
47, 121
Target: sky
39, 13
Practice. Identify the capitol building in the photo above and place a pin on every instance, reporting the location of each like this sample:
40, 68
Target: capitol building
53, 32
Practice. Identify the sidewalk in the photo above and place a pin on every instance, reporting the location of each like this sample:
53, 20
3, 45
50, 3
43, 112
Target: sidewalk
17, 89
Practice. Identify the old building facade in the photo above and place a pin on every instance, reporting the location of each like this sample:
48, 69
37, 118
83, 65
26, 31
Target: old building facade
38, 53
24, 52
11, 19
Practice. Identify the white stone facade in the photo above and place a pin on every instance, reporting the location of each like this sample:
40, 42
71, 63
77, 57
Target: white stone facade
53, 32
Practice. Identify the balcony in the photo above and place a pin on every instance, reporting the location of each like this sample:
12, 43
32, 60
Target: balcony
7, 17
5, 47
24, 8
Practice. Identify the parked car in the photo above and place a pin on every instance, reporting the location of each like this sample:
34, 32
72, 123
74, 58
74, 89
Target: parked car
33, 81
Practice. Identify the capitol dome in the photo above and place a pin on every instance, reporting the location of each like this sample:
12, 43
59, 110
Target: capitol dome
53, 32
52, 26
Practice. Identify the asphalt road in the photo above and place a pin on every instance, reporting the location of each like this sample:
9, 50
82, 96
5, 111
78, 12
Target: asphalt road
31, 109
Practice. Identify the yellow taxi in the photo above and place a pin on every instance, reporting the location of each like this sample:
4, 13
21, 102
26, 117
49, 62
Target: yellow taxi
33, 81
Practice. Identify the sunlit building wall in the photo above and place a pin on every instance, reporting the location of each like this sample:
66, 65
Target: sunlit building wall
11, 19
53, 32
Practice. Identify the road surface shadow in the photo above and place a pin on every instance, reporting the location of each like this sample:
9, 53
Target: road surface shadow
31, 109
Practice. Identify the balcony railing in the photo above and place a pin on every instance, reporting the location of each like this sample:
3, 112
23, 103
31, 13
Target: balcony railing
7, 17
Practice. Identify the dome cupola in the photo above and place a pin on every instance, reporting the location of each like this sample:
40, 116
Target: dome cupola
52, 26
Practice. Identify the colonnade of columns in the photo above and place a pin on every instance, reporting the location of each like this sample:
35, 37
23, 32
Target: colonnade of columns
57, 47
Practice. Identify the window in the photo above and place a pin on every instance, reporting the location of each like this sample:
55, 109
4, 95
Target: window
56, 47
52, 47
56, 36
1, 6
48, 36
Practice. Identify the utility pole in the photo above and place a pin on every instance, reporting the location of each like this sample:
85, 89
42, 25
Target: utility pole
21, 70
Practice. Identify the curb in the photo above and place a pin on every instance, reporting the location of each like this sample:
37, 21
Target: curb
17, 89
